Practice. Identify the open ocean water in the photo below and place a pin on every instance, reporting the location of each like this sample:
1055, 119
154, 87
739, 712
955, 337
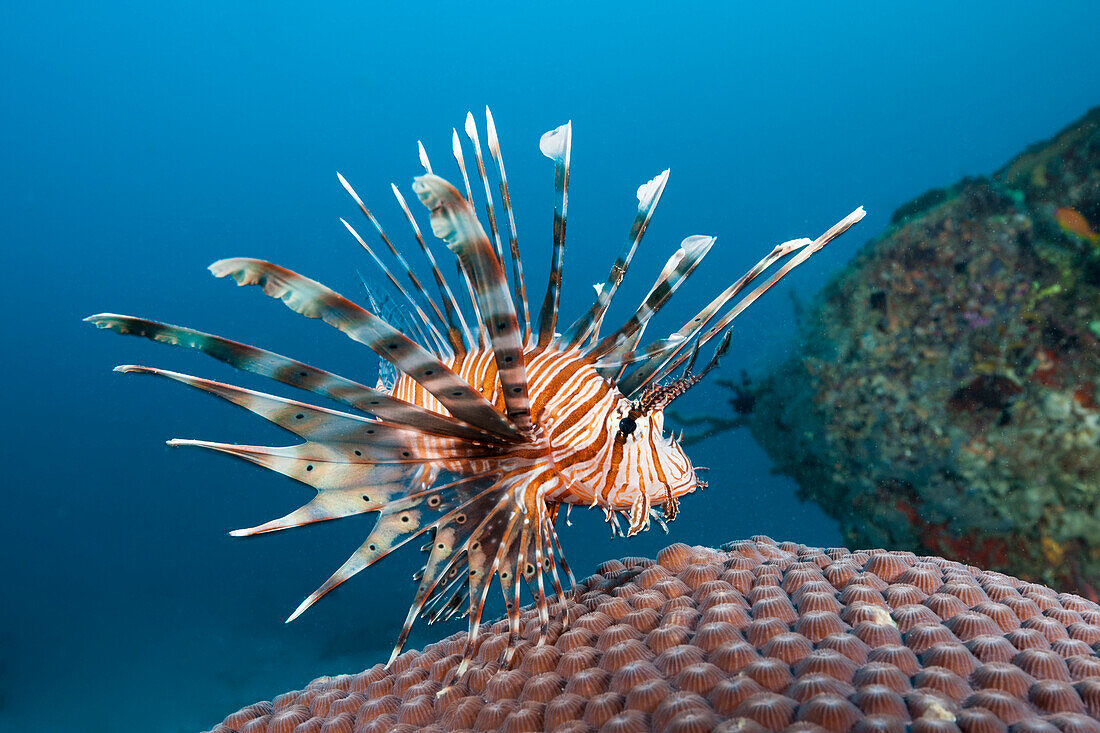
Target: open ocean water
142, 141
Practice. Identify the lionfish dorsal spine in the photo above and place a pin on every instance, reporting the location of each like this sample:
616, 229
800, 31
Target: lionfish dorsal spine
453, 220
588, 325
519, 286
802, 253
471, 132
460, 159
433, 337
402, 264
457, 329
556, 145
678, 268
655, 369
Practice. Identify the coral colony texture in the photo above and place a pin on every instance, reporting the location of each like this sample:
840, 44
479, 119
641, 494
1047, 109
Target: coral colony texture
945, 398
759, 636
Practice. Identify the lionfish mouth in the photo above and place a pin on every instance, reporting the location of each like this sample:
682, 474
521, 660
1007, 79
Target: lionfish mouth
469, 384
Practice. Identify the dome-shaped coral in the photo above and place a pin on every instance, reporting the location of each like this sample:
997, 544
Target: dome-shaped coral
701, 654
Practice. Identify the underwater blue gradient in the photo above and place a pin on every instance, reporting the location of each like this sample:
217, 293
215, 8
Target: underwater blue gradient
140, 142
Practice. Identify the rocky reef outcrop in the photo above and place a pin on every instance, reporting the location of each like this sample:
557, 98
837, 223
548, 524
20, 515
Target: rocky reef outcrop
945, 396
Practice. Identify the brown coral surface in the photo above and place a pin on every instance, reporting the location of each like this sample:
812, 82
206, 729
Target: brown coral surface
757, 636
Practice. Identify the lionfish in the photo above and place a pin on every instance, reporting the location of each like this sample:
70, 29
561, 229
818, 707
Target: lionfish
483, 422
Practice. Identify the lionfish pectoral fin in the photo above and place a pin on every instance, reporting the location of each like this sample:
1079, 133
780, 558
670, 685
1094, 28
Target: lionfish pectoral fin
375, 439
296, 374
405, 518
453, 221
444, 566
314, 300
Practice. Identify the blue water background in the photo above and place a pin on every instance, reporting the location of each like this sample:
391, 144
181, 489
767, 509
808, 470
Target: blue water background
140, 142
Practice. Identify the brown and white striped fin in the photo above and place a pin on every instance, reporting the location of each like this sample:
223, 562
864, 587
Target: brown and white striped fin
649, 194
453, 221
435, 339
691, 252
456, 150
404, 519
457, 330
802, 255
314, 300
447, 555
404, 265
518, 285
658, 367
296, 374
471, 132
556, 145
483, 559
371, 441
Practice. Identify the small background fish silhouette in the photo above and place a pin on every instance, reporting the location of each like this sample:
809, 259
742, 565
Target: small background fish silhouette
141, 144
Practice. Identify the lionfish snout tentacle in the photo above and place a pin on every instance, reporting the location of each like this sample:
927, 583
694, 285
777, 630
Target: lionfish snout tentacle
487, 429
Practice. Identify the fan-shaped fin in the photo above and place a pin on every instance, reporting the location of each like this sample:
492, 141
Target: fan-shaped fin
556, 145
454, 222
314, 300
401, 521
446, 563
296, 374
649, 194
691, 252
319, 465
374, 440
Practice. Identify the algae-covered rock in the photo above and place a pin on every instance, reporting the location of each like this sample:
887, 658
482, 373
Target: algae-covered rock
945, 399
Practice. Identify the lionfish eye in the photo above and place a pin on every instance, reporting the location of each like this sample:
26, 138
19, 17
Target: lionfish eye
627, 425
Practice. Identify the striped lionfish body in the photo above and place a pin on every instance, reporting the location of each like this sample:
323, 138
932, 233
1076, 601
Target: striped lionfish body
484, 422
